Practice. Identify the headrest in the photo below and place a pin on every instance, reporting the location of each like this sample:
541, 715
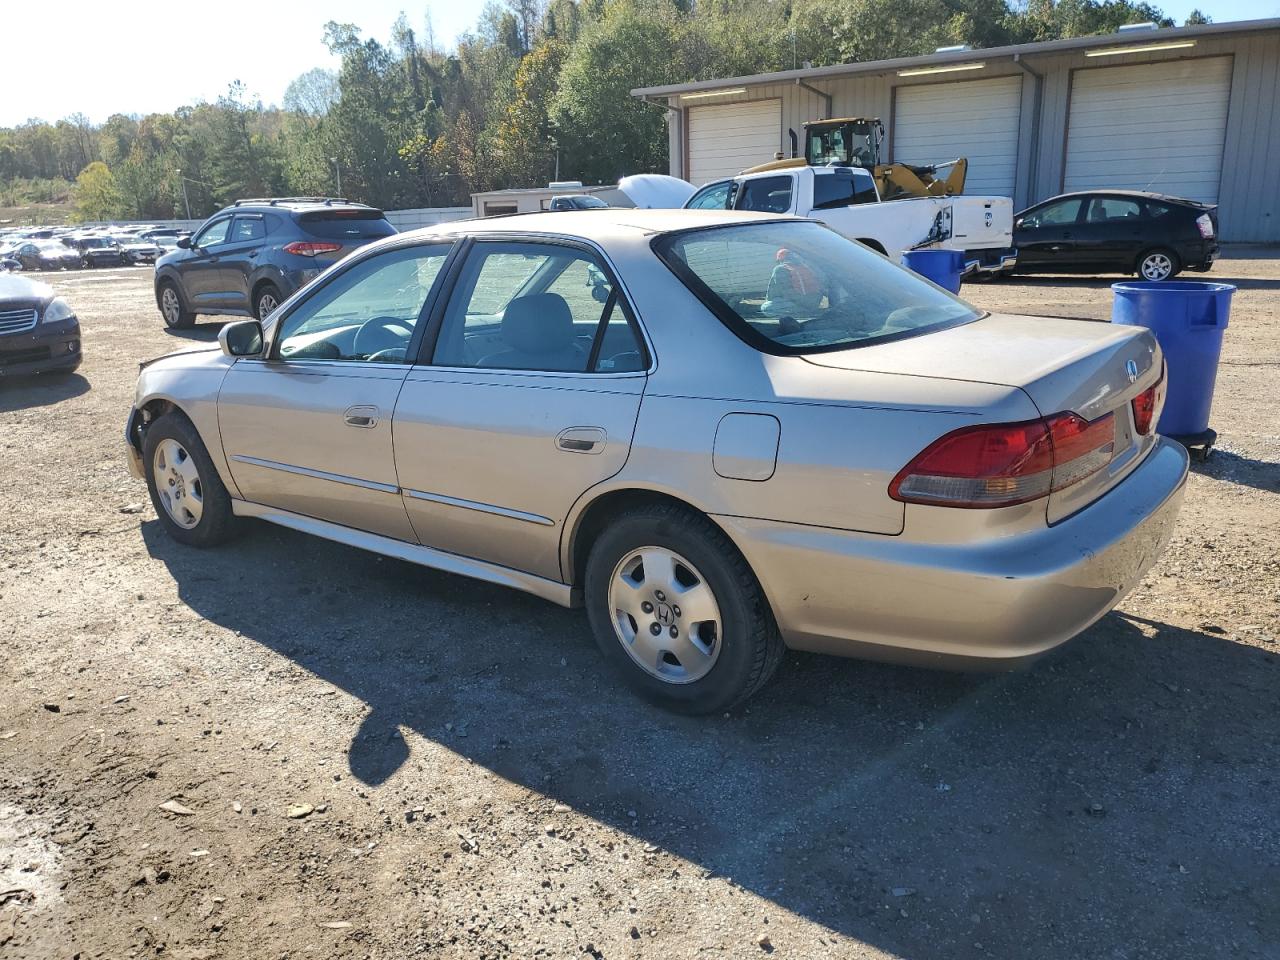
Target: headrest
540, 323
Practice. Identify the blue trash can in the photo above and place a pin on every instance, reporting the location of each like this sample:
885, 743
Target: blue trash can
943, 267
1188, 318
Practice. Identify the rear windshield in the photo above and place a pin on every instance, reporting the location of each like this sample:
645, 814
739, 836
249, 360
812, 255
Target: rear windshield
796, 287
347, 224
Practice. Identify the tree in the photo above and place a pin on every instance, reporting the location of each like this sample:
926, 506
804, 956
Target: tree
312, 93
96, 194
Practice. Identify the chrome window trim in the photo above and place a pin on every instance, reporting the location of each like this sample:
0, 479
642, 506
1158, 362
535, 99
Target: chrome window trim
317, 474
481, 507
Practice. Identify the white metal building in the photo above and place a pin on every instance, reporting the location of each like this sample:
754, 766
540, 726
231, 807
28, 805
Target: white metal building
1190, 111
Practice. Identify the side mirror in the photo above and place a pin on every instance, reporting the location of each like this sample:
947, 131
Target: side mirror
241, 339
184, 243
1019, 222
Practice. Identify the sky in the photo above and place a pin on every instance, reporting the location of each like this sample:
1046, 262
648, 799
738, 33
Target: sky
144, 56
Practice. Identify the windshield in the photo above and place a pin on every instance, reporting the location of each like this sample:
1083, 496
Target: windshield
797, 287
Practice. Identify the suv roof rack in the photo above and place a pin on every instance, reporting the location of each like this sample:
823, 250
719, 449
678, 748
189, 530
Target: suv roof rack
273, 201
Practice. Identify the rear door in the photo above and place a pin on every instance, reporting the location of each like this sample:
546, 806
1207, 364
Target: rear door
1111, 233
527, 398
1046, 235
239, 257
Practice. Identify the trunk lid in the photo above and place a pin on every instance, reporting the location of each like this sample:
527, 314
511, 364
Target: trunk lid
1090, 369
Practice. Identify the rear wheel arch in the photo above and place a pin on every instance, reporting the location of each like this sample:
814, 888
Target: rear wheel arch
875, 245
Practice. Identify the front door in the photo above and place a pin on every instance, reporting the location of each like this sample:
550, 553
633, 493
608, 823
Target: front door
529, 398
1046, 236
202, 280
308, 429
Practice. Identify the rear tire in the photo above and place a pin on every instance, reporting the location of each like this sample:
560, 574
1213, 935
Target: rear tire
173, 309
1158, 264
189, 496
265, 299
714, 653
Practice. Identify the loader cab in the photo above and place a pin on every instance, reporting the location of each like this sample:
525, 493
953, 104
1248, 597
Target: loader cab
848, 142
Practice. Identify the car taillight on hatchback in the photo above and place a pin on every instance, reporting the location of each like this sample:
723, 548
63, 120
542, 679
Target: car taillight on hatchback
1147, 404
311, 248
1204, 223
1002, 464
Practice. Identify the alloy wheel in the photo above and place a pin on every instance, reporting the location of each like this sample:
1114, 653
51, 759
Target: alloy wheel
266, 303
1156, 266
665, 615
178, 483
169, 306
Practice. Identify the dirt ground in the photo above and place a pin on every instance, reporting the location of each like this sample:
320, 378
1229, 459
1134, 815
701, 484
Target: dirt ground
372, 760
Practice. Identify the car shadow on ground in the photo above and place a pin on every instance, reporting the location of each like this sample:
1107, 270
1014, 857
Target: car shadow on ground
1234, 468
1120, 794
206, 332
41, 390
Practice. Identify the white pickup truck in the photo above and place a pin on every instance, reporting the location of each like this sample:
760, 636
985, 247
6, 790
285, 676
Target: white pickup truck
846, 199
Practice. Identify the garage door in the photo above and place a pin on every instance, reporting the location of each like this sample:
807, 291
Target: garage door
977, 119
1154, 126
726, 139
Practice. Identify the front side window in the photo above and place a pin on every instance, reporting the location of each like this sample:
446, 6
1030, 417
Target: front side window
798, 287
715, 196
766, 195
537, 306
213, 234
1053, 214
368, 312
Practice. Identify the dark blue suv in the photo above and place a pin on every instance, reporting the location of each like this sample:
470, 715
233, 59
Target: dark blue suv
250, 257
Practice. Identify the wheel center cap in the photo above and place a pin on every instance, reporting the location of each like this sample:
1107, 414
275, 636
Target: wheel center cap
664, 614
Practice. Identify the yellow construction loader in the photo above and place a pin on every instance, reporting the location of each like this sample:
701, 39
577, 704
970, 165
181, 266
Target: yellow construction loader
856, 142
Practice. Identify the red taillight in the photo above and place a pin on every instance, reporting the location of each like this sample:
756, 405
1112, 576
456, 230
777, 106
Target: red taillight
1146, 404
311, 248
1002, 464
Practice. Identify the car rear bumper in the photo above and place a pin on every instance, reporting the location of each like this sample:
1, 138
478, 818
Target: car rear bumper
987, 605
990, 261
45, 349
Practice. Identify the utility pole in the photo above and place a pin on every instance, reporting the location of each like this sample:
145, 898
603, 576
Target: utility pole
337, 172
185, 200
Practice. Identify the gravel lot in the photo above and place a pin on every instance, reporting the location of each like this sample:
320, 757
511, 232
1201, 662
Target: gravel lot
371, 760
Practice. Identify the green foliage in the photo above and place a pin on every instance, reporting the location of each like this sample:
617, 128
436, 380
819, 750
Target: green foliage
406, 123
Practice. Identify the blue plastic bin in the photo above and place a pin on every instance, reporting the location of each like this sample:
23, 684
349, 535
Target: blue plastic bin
943, 267
1188, 318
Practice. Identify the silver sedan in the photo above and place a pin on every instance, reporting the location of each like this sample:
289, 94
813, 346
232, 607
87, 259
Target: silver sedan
723, 434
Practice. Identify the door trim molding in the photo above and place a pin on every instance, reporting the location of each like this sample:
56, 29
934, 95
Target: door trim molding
552, 590
317, 474
480, 507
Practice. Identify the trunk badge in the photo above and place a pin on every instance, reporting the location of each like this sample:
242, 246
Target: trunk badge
1131, 368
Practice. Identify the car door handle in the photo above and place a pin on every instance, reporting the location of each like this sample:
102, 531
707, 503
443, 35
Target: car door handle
581, 440
361, 416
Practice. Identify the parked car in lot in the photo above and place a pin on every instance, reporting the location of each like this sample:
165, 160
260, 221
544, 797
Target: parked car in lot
140, 251
99, 251
723, 433
46, 255
249, 258
39, 333
1117, 231
577, 201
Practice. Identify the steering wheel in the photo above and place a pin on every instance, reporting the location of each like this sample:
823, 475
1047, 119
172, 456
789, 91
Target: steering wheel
380, 335
390, 355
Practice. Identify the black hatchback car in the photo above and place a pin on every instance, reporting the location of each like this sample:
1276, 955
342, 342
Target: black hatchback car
1117, 231
250, 257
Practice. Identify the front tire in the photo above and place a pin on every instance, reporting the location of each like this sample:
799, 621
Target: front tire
1158, 265
677, 611
188, 494
175, 312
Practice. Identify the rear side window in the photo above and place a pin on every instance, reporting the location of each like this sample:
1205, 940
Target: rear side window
1106, 209
247, 228
796, 287
841, 188
766, 195
347, 224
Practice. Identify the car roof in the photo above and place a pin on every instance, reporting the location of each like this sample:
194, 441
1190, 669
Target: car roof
1142, 194
597, 225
